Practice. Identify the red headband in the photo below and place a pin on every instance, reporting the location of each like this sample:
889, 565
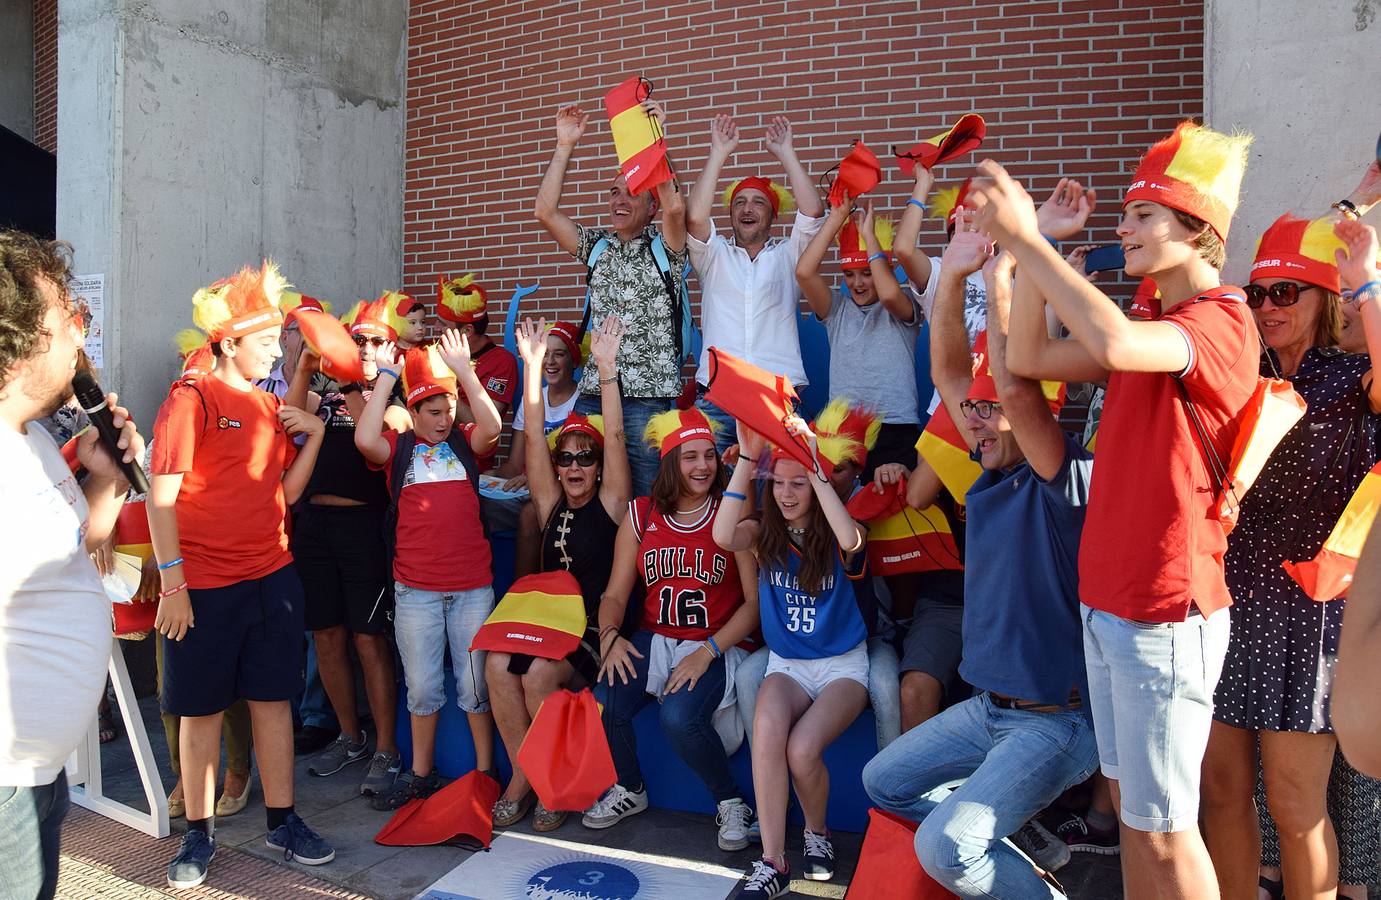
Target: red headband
694, 427
757, 183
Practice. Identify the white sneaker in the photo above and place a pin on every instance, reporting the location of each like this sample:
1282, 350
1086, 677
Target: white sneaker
734, 819
617, 804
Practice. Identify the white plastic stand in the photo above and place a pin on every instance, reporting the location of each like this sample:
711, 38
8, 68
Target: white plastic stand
84, 766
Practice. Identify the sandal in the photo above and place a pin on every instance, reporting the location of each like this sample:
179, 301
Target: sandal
511, 812
105, 724
544, 820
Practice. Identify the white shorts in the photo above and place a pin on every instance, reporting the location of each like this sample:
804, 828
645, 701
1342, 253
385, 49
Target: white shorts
813, 674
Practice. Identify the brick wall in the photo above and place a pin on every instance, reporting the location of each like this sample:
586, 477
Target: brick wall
46, 74
1068, 87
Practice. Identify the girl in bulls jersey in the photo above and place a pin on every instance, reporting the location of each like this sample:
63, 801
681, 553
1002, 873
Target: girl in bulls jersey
809, 552
693, 619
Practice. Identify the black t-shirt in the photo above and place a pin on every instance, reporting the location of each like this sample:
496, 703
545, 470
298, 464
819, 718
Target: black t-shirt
341, 469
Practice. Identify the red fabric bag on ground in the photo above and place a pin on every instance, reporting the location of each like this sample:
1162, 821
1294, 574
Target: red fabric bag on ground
887, 865
462, 812
565, 754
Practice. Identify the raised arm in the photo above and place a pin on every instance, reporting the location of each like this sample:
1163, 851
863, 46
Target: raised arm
780, 145
369, 427
813, 285
951, 362
455, 353
669, 192
299, 393
1023, 403
570, 127
890, 295
1006, 212
1357, 266
541, 477
723, 142
616, 484
1032, 352
847, 532
914, 263
731, 530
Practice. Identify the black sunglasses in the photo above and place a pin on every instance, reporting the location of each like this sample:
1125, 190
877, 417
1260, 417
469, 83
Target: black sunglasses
984, 409
584, 459
1282, 293
361, 340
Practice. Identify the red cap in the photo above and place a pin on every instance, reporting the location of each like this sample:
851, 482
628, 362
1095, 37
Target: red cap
984, 388
757, 183
1145, 302
577, 424
1196, 171
568, 336
425, 375
1300, 250
461, 300
373, 317
853, 252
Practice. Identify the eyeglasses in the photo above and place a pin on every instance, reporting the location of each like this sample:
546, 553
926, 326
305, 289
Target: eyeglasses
984, 409
361, 340
1282, 293
584, 459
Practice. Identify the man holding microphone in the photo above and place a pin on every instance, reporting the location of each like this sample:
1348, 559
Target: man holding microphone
54, 614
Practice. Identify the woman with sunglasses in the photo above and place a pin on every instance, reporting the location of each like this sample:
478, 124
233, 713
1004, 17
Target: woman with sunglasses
580, 488
1272, 699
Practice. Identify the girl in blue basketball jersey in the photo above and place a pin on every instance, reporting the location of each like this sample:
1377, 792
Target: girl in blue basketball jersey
810, 553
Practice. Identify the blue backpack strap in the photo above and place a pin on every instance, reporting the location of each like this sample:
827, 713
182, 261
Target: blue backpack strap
688, 338
595, 253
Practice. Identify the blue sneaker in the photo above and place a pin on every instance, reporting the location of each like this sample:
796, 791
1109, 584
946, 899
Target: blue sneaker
299, 842
188, 868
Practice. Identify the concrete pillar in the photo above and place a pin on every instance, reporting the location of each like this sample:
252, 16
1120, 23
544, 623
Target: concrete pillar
17, 67
1302, 77
199, 136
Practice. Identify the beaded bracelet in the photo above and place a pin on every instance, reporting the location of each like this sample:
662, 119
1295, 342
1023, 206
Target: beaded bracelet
163, 567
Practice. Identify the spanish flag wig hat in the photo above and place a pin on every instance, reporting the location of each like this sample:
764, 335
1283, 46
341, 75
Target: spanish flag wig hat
853, 252
778, 196
575, 423
378, 318
292, 300
1299, 249
460, 300
1197, 171
669, 430
242, 304
845, 433
425, 375
949, 200
195, 350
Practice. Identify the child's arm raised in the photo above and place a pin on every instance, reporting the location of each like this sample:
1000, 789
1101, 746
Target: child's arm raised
455, 352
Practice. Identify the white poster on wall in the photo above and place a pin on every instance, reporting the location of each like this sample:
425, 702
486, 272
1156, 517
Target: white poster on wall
88, 296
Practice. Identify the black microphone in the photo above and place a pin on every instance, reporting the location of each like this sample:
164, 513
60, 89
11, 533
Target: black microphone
92, 399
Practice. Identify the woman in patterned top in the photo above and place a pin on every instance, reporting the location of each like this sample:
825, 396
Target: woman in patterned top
1278, 673
580, 491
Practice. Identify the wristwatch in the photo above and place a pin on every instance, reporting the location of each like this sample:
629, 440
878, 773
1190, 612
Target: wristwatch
1348, 209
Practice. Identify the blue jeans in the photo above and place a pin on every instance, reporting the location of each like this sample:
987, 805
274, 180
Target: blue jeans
424, 623
642, 459
1013, 762
686, 718
315, 707
30, 827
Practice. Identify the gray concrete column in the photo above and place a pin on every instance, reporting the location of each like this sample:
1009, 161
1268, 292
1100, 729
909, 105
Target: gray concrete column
199, 136
17, 67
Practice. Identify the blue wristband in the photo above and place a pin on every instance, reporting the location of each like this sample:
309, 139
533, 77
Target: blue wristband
1051, 241
735, 494
389, 371
713, 646
881, 256
1369, 287
163, 567
919, 204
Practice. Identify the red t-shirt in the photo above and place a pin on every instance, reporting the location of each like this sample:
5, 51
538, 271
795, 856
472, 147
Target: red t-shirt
692, 584
232, 452
497, 370
439, 544
1149, 545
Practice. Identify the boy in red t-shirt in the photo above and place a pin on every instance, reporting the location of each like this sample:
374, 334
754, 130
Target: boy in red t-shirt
464, 302
230, 612
1151, 559
443, 587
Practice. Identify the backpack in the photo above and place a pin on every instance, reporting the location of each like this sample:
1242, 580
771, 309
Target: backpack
402, 458
688, 337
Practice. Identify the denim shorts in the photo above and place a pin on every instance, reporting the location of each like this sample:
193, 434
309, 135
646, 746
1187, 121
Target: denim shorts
1151, 687
425, 623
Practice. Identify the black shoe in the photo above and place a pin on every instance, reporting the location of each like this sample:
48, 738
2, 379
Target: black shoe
766, 882
407, 787
819, 857
312, 739
188, 868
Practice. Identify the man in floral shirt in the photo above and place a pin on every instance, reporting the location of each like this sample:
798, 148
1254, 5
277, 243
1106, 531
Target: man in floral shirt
627, 283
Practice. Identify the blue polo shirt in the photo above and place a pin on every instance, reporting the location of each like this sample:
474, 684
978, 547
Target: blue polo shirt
1022, 632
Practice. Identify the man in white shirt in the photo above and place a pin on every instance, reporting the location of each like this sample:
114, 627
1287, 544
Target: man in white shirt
749, 295
54, 614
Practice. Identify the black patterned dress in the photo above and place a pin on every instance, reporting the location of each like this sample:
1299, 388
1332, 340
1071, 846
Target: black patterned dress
1278, 674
